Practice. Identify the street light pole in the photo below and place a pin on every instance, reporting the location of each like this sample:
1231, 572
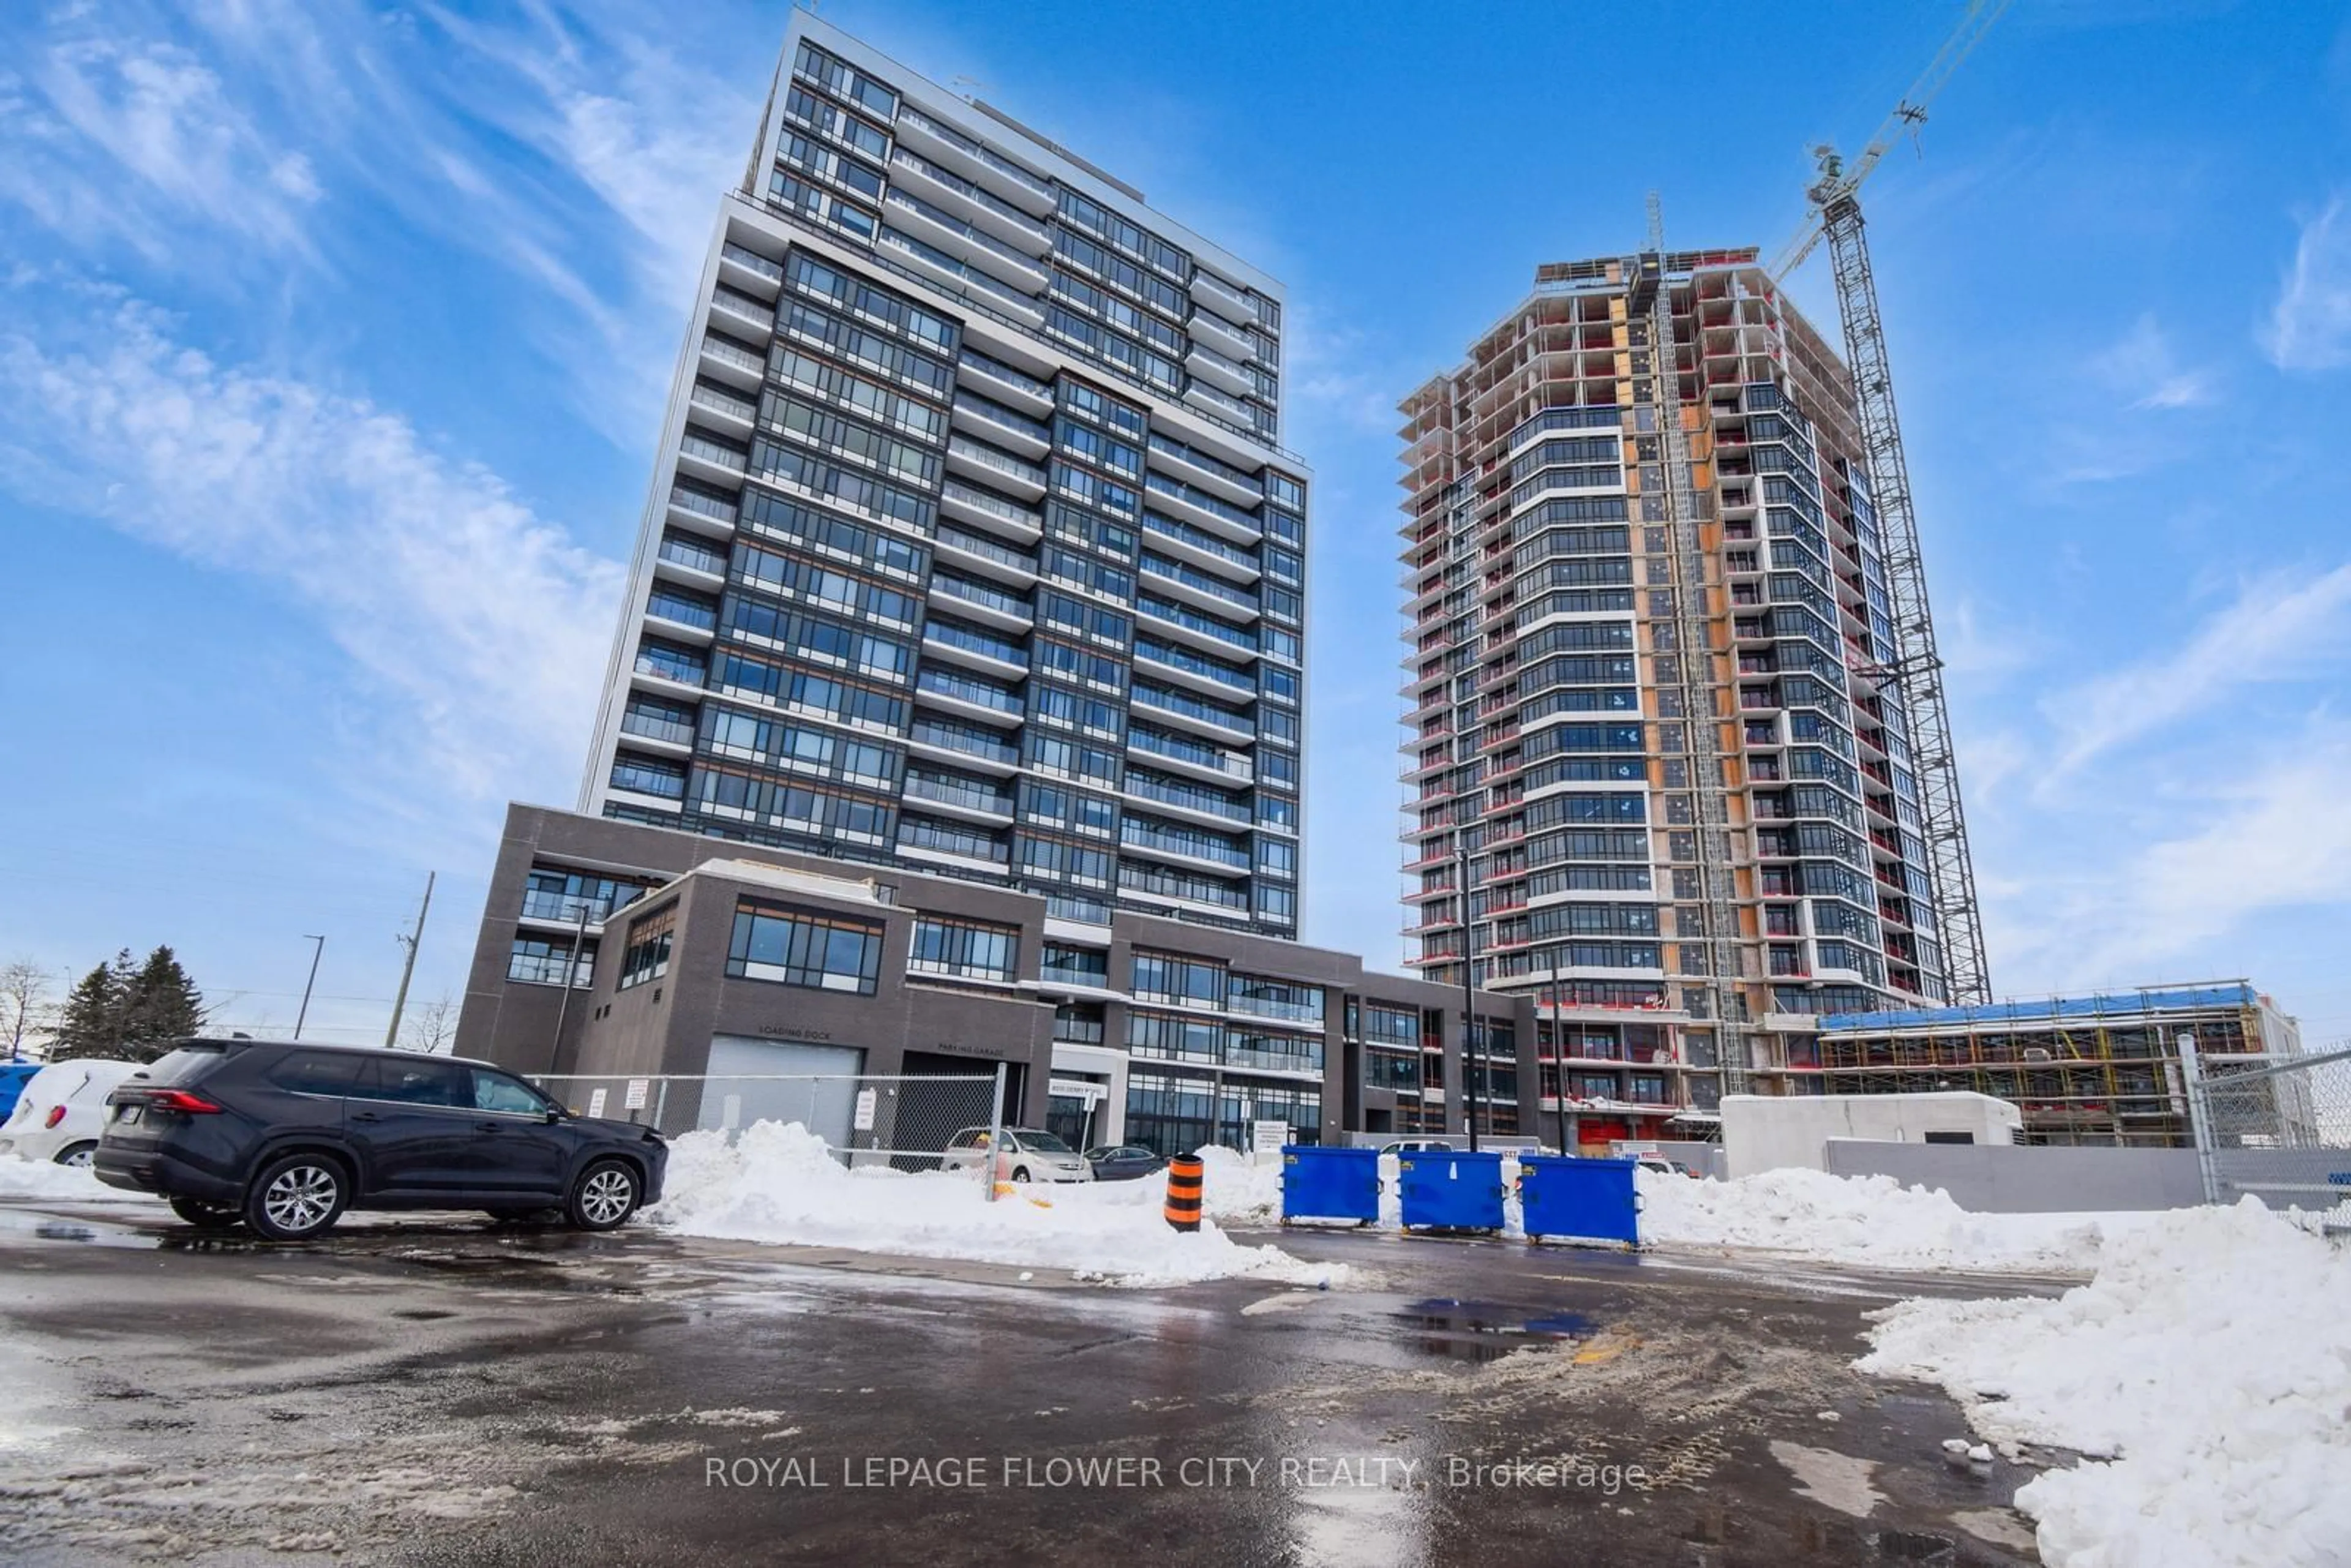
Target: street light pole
408, 970
305, 1012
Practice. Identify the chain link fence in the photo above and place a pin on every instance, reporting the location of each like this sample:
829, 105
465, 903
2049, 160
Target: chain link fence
908, 1122
2276, 1127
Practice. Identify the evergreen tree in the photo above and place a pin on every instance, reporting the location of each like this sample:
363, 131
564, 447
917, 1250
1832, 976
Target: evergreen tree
161, 1007
125, 1011
91, 1024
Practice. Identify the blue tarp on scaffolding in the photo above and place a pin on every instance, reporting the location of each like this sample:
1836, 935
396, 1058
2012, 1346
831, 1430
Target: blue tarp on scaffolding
2116, 1004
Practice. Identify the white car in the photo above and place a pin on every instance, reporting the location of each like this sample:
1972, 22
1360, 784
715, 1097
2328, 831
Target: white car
1023, 1153
62, 1110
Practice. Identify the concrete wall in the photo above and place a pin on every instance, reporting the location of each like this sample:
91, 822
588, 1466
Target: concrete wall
1769, 1132
2030, 1178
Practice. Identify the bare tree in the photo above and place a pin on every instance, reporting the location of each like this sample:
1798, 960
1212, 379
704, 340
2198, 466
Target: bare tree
433, 1028
23, 995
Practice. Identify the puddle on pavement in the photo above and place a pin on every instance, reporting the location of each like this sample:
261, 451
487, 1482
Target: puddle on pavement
1488, 1331
87, 1233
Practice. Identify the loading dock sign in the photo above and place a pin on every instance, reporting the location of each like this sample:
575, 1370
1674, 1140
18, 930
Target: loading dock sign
638, 1089
863, 1121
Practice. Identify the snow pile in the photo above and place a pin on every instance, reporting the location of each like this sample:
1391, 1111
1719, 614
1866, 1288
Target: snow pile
1870, 1220
2209, 1364
780, 1184
1232, 1189
40, 1178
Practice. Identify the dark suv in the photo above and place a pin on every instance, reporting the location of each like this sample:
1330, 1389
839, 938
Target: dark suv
286, 1137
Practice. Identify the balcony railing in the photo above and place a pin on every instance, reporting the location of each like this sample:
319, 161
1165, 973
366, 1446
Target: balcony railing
1197, 538
1138, 835
753, 261
719, 348
987, 365
980, 593
1195, 497
927, 732
1200, 581
1179, 749
1189, 799
689, 553
1002, 462
997, 413
994, 506
972, 641
978, 195
1203, 713
923, 787
1207, 669
972, 148
732, 458
1194, 620
972, 544
940, 683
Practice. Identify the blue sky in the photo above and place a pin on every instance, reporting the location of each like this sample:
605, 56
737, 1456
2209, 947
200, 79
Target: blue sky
332, 338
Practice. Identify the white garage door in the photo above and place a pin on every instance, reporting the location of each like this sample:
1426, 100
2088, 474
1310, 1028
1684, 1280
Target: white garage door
819, 1086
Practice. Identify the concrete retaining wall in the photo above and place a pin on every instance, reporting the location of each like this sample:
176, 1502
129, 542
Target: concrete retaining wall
2028, 1179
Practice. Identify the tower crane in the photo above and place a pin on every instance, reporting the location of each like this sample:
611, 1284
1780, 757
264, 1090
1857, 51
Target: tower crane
1917, 671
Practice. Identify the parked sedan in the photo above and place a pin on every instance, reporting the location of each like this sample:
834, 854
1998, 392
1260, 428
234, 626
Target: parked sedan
62, 1110
1023, 1153
1123, 1162
284, 1137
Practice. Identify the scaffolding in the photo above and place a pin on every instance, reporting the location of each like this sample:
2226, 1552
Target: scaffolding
2101, 1069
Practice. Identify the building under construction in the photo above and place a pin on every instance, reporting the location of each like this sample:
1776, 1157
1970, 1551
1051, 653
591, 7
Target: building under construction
1654, 724
2084, 1070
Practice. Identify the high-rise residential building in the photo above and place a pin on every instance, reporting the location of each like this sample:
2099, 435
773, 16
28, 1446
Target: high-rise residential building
1652, 683
970, 548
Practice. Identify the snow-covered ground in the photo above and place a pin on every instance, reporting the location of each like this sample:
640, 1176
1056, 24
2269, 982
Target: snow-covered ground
780, 1184
1872, 1221
2207, 1366
39, 1178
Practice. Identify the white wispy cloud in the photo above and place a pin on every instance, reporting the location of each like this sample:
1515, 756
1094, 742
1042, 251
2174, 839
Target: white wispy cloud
2277, 628
481, 621
2191, 870
2143, 366
106, 140
2309, 327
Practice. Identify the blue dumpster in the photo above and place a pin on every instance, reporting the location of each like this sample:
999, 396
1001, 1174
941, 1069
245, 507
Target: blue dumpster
1330, 1184
1448, 1190
1589, 1199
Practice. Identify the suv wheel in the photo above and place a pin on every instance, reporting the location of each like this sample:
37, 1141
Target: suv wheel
296, 1197
78, 1156
603, 1197
1021, 1172
204, 1216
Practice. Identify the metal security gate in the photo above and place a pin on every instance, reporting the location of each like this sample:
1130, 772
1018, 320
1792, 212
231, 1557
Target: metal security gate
2276, 1127
908, 1122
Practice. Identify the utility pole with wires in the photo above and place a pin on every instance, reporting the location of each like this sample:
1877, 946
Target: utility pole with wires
409, 940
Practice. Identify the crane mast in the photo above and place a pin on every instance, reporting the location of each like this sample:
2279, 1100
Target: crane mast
1917, 668
1917, 672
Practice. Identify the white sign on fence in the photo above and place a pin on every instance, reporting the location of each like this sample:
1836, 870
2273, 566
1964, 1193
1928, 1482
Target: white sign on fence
863, 1121
596, 1102
1266, 1139
638, 1089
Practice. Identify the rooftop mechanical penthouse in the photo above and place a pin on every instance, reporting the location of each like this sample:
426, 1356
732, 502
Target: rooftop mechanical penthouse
971, 547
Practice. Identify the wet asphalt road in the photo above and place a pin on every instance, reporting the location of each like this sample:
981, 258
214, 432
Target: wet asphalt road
428, 1392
